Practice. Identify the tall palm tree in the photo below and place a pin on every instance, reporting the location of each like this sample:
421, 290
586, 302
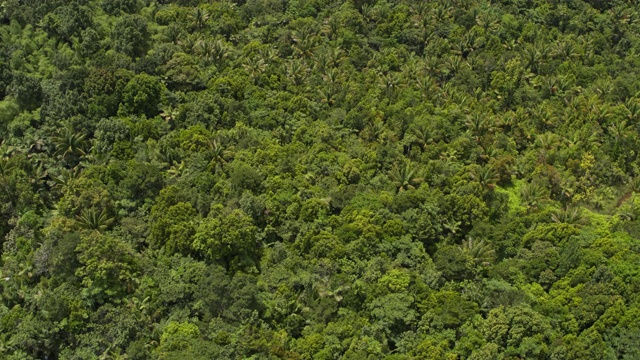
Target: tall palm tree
531, 57
188, 42
633, 109
255, 67
568, 216
220, 51
66, 177
333, 79
218, 153
168, 154
426, 83
304, 43
199, 18
485, 176
546, 142
7, 165
377, 131
478, 125
176, 170
331, 27
69, 143
204, 48
481, 252
93, 220
422, 135
390, 83
405, 177
565, 50
532, 195
297, 72
488, 19
325, 289
634, 185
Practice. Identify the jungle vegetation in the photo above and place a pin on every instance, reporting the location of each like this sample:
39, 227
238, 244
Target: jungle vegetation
319, 179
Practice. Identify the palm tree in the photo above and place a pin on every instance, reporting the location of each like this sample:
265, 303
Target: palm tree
464, 46
218, 153
335, 56
269, 55
377, 131
204, 48
488, 19
488, 152
220, 51
633, 108
67, 176
634, 185
568, 216
168, 154
455, 63
304, 43
169, 114
331, 27
477, 125
390, 82
333, 79
199, 18
6, 166
532, 195
177, 169
531, 57
255, 67
297, 72
69, 142
619, 129
544, 51
93, 220
38, 173
565, 50
485, 176
6, 150
453, 226
32, 144
479, 251
188, 42
434, 65
628, 211
426, 84
325, 289
405, 177
422, 135
546, 142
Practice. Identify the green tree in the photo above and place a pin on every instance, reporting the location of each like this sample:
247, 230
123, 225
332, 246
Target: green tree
231, 239
142, 96
108, 266
130, 35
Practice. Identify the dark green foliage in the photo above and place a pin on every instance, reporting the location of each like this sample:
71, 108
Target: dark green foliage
27, 91
369, 179
115, 7
141, 96
130, 35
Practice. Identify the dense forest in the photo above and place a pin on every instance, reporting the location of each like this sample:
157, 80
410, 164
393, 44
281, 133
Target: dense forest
319, 179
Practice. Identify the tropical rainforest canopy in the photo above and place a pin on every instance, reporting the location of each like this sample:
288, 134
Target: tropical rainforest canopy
319, 179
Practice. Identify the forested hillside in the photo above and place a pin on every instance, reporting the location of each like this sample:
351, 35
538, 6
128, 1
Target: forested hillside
319, 179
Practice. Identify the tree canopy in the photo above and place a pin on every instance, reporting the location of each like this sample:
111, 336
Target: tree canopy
320, 179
